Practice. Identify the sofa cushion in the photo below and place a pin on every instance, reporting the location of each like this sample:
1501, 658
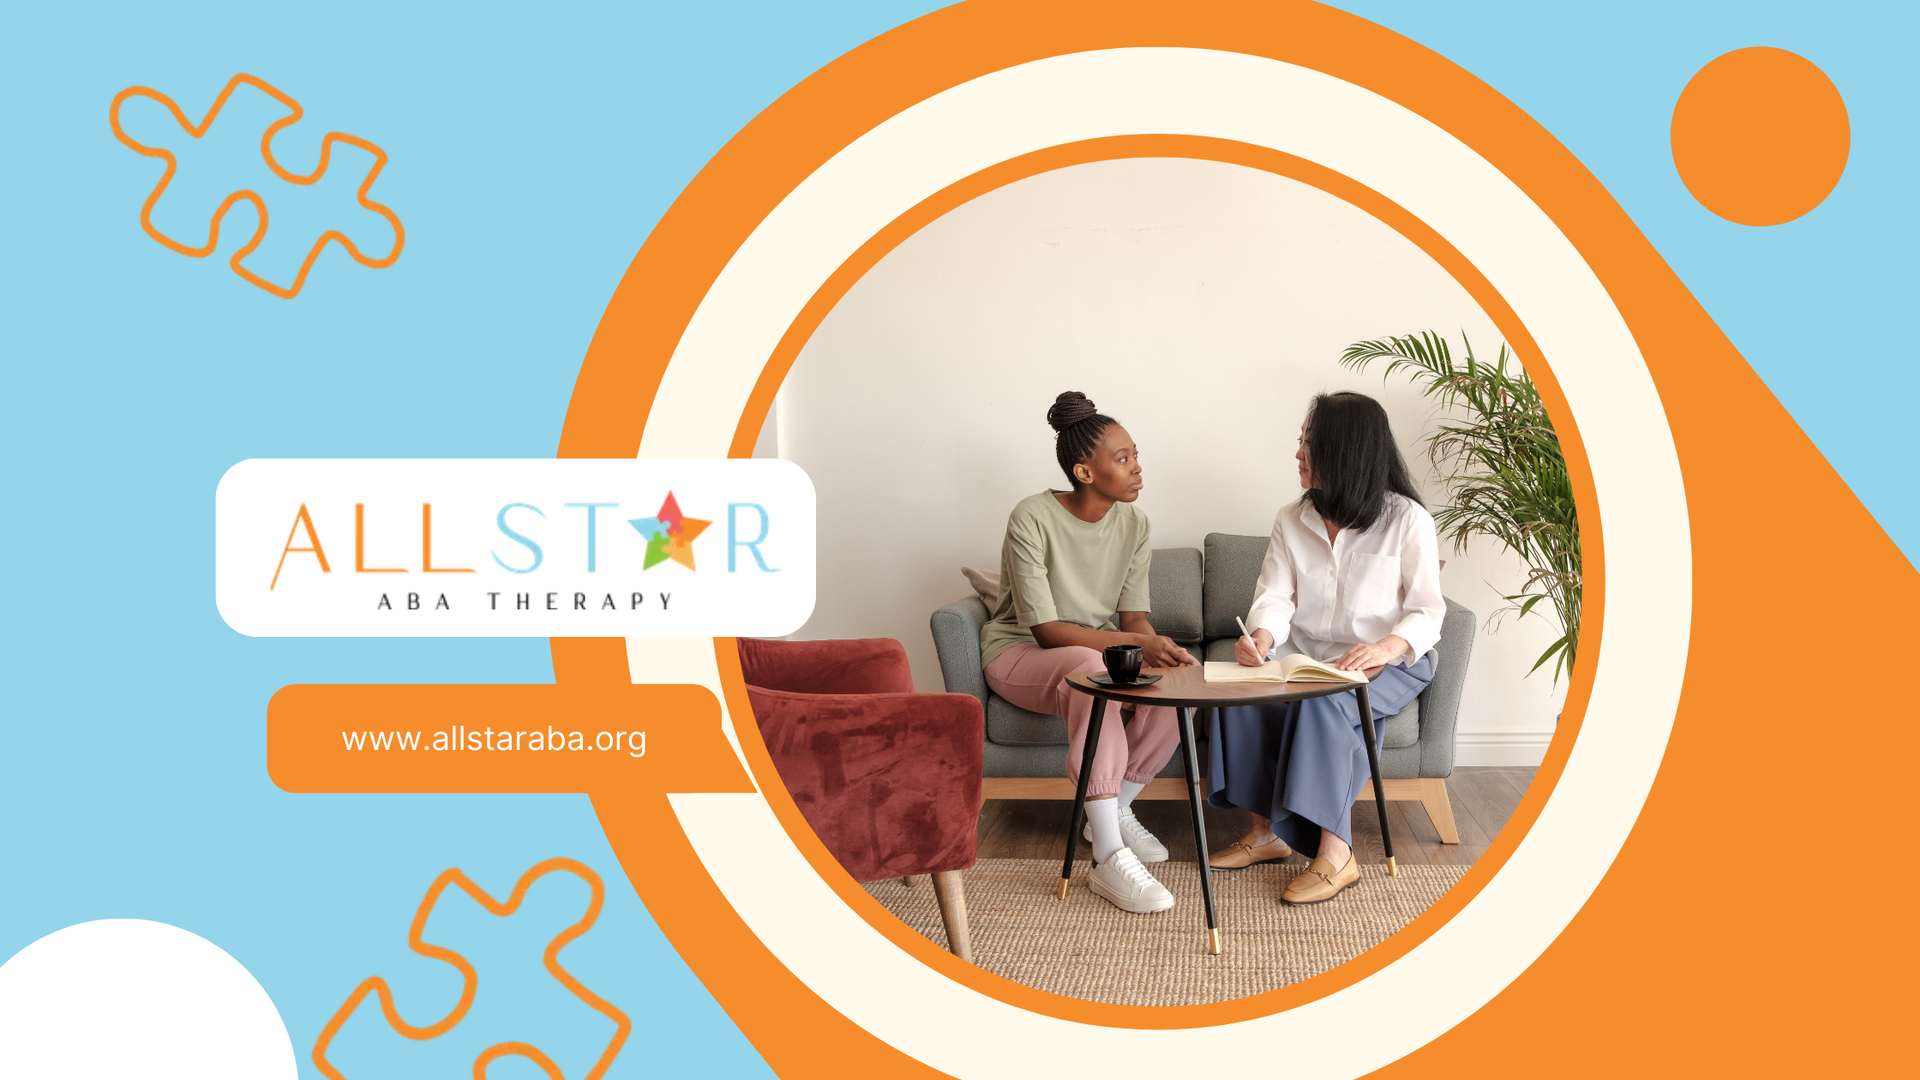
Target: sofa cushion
1220, 650
1010, 725
986, 585
1233, 568
1173, 588
1400, 729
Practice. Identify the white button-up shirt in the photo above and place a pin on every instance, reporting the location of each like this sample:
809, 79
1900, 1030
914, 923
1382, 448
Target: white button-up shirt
1320, 598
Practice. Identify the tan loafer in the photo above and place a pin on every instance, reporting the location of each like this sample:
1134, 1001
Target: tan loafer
1320, 882
1243, 853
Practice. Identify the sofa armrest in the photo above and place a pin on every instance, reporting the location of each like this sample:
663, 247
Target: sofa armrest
956, 638
890, 783
1440, 701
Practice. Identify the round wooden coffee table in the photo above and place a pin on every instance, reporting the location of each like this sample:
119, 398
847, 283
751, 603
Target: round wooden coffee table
1186, 689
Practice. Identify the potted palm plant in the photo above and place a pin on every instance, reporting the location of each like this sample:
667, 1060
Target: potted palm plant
1498, 457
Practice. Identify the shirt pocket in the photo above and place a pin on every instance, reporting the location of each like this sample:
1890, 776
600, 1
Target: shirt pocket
1371, 584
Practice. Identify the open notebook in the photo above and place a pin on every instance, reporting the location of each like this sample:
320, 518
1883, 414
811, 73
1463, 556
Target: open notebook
1291, 668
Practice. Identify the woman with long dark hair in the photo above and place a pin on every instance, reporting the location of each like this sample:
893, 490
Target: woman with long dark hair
1352, 576
1073, 580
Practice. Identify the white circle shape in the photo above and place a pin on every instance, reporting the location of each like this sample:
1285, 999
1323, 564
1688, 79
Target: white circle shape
120, 998
1637, 668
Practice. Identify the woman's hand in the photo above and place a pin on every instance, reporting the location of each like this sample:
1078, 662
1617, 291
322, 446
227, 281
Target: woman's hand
1252, 651
1157, 650
1160, 651
1361, 657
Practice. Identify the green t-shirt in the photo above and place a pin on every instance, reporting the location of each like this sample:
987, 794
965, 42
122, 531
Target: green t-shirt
1056, 568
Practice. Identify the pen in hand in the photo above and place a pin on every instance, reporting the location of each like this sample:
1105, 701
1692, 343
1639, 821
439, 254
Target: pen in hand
1245, 633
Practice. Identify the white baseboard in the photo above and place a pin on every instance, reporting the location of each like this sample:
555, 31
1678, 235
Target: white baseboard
1500, 747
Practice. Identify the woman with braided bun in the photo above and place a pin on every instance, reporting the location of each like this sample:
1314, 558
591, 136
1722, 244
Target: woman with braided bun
1073, 580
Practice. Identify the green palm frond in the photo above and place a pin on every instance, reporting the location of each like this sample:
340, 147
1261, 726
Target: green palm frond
1501, 464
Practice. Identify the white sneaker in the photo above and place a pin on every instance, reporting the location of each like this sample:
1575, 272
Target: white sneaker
1135, 835
1124, 883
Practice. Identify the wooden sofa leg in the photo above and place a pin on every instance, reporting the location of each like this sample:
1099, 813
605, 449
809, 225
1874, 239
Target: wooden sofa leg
1433, 796
953, 911
910, 880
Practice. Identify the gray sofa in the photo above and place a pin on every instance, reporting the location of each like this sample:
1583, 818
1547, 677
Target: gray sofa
1195, 600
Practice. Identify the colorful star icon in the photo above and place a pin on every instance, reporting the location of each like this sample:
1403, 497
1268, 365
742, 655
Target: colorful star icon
669, 535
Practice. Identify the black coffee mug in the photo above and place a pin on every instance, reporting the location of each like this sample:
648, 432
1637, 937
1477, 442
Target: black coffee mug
1123, 662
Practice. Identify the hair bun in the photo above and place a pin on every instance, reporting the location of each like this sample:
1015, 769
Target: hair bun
1069, 409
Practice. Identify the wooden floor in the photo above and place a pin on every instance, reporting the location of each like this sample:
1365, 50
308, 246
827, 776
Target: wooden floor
1483, 799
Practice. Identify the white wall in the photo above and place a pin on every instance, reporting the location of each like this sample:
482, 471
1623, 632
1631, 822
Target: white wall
1201, 305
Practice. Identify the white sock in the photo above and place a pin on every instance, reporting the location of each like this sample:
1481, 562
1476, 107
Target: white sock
1104, 815
1129, 789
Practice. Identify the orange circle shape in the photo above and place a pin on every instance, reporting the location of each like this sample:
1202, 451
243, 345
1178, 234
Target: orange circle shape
1760, 136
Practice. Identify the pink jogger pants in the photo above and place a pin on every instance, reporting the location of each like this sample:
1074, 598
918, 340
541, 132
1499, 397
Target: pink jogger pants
1035, 679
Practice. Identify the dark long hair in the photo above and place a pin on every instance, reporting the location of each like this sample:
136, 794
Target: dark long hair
1354, 460
1078, 425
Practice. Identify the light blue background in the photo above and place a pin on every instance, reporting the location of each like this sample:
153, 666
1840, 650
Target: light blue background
531, 153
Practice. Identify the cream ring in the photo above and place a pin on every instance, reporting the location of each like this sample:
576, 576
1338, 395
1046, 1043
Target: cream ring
1639, 664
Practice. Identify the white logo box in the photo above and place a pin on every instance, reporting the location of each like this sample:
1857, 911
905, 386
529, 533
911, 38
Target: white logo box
420, 548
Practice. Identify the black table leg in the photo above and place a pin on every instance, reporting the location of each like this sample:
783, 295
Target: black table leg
1080, 792
1373, 762
1190, 758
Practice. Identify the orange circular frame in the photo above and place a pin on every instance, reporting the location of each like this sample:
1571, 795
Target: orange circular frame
1713, 400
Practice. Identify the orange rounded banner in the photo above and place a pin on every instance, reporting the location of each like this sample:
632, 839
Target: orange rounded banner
509, 739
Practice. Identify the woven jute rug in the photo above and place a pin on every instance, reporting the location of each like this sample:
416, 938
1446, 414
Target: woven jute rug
1084, 947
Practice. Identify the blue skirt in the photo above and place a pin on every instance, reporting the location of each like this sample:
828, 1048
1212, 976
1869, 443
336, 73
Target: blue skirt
1302, 764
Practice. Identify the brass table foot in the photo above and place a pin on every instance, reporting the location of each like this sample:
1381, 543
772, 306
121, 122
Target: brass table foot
1213, 939
1392, 870
1063, 888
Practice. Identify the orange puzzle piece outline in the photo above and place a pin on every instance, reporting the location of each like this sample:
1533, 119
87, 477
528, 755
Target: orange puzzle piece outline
259, 204
470, 980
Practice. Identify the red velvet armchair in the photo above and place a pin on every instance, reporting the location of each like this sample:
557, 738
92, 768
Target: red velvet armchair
888, 779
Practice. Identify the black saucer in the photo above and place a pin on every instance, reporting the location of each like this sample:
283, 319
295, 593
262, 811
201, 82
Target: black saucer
1102, 679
